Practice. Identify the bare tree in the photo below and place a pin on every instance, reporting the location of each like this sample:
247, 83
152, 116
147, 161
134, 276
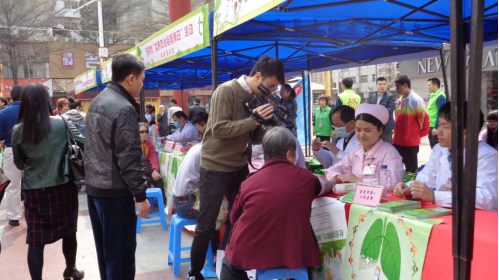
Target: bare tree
159, 16
113, 12
23, 21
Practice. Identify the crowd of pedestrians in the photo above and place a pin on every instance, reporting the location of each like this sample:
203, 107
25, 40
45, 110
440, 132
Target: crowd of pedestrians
353, 141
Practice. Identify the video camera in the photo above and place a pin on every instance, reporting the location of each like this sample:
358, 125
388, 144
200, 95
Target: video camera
280, 111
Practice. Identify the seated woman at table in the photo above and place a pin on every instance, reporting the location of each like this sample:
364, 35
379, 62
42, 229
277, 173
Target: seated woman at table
434, 182
364, 162
260, 220
149, 161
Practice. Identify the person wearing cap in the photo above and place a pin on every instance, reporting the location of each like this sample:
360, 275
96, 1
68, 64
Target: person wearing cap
343, 119
363, 163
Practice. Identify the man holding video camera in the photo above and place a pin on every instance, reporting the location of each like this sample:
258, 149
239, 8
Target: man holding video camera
224, 151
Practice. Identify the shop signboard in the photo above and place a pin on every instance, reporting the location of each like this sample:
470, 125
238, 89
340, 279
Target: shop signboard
106, 71
231, 13
85, 81
184, 36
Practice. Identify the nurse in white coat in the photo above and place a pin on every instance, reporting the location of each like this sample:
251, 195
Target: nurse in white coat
343, 119
434, 182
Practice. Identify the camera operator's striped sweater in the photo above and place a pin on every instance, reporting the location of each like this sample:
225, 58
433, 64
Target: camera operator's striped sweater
412, 122
228, 129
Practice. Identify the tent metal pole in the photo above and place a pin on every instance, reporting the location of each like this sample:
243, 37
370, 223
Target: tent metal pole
214, 63
458, 83
276, 50
444, 73
304, 111
142, 101
309, 106
472, 131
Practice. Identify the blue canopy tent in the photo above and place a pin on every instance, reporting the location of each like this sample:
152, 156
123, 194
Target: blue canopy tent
341, 24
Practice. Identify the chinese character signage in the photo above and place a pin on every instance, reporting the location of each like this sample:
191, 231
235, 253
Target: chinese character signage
67, 60
186, 35
106, 71
231, 13
91, 60
85, 81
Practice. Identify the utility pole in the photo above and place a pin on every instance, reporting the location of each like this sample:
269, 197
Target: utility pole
103, 52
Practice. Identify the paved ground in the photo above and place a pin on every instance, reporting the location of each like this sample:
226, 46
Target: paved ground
151, 257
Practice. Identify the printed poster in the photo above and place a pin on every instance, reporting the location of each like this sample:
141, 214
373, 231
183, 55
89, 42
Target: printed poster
303, 103
330, 227
164, 163
382, 246
173, 164
231, 13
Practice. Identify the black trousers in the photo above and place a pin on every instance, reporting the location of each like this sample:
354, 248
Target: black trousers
213, 187
156, 184
409, 156
114, 223
433, 139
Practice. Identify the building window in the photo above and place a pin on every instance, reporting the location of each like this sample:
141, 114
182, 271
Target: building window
71, 4
354, 79
374, 78
363, 79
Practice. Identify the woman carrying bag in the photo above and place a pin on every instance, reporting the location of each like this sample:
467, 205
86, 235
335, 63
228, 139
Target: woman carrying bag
40, 147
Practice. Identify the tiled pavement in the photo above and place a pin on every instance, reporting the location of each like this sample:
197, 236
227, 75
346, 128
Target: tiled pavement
151, 255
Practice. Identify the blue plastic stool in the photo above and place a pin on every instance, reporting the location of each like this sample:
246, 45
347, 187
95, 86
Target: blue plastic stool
282, 273
177, 223
156, 193
152, 201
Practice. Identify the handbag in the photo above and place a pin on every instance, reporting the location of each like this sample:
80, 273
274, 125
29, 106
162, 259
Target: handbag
4, 181
75, 156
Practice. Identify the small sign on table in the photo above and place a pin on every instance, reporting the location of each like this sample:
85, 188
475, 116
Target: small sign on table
169, 145
178, 147
367, 194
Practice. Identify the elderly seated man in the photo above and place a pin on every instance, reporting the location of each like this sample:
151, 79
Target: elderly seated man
274, 200
186, 131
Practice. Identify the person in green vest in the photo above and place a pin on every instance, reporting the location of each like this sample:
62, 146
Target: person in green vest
322, 120
437, 100
348, 97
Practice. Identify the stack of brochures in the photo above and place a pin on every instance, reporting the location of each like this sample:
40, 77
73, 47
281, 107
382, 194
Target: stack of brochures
399, 205
425, 213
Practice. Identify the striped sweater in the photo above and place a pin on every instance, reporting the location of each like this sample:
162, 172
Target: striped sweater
412, 122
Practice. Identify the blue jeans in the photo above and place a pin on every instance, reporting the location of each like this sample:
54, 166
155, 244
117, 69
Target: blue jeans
183, 206
114, 223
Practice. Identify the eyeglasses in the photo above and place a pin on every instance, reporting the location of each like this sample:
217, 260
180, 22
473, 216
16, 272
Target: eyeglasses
492, 122
143, 132
271, 87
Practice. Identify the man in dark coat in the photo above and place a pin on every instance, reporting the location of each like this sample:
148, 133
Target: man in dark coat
195, 109
383, 97
113, 175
